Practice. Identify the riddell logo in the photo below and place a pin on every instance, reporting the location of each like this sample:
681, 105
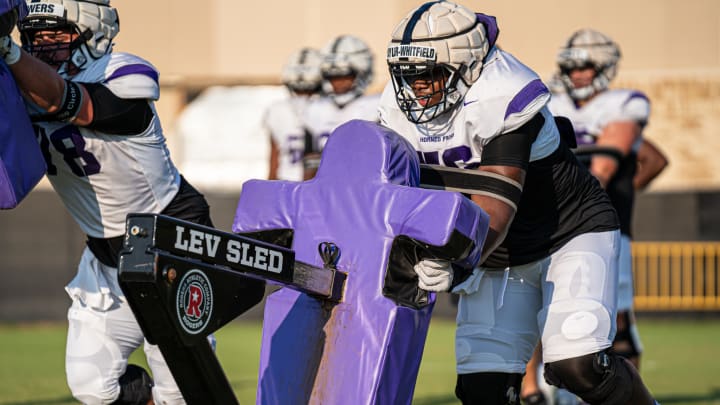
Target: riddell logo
194, 301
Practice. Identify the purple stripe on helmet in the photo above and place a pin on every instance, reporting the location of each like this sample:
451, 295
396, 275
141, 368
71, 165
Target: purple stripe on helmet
636, 94
491, 27
136, 69
530, 92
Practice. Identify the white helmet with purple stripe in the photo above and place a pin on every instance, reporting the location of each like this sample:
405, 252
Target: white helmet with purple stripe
302, 72
347, 55
588, 48
439, 37
94, 21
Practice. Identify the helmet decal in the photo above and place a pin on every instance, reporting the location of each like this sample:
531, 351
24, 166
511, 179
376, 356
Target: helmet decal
410, 26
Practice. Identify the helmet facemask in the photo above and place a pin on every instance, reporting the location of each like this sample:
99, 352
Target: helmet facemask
443, 93
446, 39
93, 22
588, 49
59, 55
347, 56
359, 84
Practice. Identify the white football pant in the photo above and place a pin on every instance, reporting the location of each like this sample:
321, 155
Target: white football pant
568, 299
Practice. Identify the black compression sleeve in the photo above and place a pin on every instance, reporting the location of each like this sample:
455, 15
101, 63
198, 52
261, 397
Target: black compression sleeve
115, 115
513, 148
567, 132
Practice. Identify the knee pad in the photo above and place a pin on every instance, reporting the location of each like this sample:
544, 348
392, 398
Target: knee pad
489, 388
135, 386
599, 378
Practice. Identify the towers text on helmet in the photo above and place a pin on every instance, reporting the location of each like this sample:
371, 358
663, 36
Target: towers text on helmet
588, 48
438, 38
302, 71
94, 21
347, 55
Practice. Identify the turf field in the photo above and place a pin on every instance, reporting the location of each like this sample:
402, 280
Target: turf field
681, 365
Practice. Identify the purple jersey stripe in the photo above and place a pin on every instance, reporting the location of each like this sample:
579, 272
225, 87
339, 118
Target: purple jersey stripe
530, 92
136, 69
636, 94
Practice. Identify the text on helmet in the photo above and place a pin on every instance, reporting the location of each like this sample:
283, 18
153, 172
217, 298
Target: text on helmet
411, 51
46, 9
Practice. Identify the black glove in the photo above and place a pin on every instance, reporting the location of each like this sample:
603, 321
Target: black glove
8, 21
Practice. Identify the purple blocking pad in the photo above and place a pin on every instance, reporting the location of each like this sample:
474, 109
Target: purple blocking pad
21, 162
7, 5
365, 200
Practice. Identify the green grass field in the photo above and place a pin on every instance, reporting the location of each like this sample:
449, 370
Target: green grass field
680, 365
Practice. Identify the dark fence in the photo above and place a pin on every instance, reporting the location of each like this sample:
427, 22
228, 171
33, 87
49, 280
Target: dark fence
40, 246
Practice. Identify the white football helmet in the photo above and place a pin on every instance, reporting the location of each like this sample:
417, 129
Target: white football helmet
94, 21
302, 71
588, 47
346, 55
437, 38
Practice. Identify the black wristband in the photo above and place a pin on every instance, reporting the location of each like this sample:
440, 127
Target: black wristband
72, 101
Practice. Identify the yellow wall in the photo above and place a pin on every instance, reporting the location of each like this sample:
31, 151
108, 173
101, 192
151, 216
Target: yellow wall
671, 50
243, 40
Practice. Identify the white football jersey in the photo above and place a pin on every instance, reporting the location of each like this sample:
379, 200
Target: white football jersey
324, 115
608, 106
284, 121
506, 96
101, 177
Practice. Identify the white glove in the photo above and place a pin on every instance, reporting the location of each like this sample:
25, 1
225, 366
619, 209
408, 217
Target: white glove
9, 50
434, 274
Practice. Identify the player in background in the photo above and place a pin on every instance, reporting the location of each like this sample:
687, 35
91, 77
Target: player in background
549, 266
651, 162
106, 156
290, 139
608, 126
347, 71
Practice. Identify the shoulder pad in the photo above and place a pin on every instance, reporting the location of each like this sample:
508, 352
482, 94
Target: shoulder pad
129, 76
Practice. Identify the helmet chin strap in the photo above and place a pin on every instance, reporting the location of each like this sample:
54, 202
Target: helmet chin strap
342, 99
78, 59
582, 93
62, 70
79, 55
577, 93
357, 90
599, 84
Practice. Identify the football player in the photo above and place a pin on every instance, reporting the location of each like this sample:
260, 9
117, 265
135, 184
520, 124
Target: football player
608, 125
549, 266
347, 71
290, 139
106, 156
